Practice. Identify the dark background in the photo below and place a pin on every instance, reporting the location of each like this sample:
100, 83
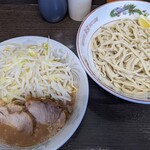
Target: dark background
109, 123
98, 2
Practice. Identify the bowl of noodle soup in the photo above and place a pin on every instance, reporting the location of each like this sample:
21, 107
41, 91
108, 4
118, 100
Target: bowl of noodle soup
53, 53
115, 50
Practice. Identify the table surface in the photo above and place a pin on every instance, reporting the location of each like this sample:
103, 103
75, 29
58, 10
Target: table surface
109, 122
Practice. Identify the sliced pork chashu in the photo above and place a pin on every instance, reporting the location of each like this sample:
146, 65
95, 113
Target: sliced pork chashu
47, 111
15, 116
25, 115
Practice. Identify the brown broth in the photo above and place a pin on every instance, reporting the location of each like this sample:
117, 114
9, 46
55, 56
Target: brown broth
11, 136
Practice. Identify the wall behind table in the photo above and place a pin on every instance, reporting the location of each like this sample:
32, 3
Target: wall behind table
95, 2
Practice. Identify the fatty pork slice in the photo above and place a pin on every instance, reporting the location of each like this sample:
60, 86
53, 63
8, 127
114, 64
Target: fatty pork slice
47, 111
14, 116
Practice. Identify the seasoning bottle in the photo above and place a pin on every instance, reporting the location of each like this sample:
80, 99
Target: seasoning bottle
53, 10
79, 9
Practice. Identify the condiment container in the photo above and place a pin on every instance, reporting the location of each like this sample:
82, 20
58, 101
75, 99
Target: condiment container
53, 10
79, 9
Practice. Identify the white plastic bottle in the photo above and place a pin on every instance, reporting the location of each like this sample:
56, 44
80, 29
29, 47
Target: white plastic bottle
79, 9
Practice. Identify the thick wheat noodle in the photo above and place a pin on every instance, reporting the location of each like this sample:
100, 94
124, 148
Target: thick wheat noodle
121, 54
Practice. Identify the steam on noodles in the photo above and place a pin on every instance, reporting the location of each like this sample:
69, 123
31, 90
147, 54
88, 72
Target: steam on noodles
121, 54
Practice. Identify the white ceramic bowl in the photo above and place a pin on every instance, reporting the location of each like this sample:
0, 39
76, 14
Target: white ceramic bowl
81, 98
98, 17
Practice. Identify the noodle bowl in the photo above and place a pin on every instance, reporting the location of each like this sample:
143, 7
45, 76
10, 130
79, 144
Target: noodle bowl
67, 58
115, 50
121, 54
